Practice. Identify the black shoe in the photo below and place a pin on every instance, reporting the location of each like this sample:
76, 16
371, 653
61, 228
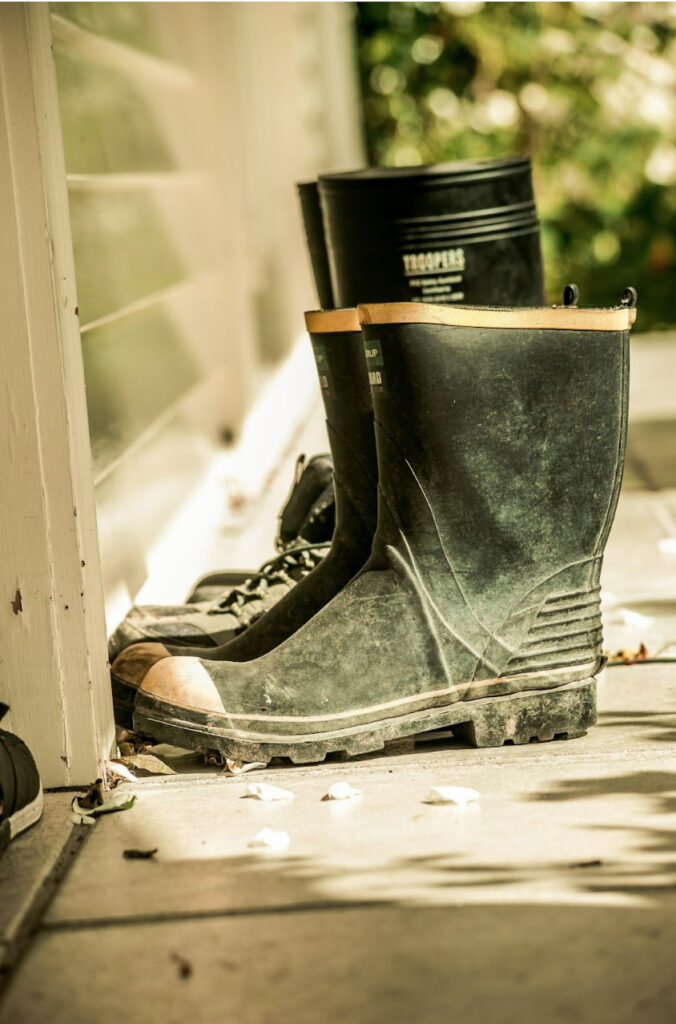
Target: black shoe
21, 799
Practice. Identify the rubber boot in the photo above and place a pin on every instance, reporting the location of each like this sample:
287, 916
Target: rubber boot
464, 232
339, 353
500, 436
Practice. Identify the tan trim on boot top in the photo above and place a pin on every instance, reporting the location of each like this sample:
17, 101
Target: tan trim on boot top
547, 318
332, 321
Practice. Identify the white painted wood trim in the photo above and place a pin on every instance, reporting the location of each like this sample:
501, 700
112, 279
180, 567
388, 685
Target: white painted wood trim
53, 657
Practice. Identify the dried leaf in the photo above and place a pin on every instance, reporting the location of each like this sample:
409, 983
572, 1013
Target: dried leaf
93, 797
184, 966
629, 656
83, 815
149, 763
241, 767
120, 769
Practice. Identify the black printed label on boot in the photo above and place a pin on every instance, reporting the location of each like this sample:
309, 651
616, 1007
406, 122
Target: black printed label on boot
374, 364
322, 361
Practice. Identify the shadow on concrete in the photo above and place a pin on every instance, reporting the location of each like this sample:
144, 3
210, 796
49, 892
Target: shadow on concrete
664, 723
427, 938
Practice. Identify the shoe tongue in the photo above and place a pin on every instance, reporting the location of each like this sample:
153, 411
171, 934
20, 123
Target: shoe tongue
316, 476
319, 524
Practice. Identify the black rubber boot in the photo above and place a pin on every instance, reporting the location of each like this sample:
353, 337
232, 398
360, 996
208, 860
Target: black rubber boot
464, 232
339, 353
501, 438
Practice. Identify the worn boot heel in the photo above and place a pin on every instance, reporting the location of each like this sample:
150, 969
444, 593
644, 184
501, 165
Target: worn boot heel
558, 714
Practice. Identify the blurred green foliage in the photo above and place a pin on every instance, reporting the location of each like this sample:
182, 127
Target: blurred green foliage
587, 89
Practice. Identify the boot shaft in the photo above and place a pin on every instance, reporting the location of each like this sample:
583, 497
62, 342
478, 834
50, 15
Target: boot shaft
308, 194
341, 366
500, 437
465, 231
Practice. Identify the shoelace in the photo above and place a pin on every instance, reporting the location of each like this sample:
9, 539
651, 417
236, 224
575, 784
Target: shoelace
280, 569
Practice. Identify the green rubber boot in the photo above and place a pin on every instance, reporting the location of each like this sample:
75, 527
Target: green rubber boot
500, 436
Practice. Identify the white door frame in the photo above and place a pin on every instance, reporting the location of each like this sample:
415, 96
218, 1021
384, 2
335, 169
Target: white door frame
53, 655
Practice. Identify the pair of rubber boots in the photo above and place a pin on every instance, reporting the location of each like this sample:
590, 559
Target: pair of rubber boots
497, 437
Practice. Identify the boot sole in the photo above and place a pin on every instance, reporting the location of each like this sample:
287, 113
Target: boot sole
564, 712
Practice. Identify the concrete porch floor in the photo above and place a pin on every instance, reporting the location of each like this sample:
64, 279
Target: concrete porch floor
551, 900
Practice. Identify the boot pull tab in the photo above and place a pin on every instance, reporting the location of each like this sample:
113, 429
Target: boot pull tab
629, 298
571, 293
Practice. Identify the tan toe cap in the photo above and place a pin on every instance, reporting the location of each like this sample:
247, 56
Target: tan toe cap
183, 682
136, 661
